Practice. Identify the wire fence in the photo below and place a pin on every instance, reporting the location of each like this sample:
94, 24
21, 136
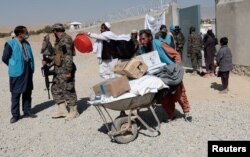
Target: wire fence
151, 6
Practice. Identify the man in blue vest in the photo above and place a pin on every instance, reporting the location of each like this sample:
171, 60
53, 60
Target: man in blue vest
17, 55
165, 36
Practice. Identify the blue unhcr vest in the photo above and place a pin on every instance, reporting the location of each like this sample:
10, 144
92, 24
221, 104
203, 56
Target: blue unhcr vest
16, 62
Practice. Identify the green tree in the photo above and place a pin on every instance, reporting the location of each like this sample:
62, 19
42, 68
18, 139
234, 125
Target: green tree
47, 29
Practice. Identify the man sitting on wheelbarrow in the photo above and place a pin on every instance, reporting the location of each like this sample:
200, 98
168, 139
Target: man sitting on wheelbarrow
170, 56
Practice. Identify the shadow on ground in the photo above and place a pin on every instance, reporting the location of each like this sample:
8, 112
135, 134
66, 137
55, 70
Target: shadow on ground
216, 86
82, 106
190, 71
43, 106
147, 116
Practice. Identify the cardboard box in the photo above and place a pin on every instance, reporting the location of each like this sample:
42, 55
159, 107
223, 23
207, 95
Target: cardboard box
133, 68
112, 87
150, 59
120, 66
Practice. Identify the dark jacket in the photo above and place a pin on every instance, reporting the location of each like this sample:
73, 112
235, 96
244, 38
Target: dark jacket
209, 46
224, 59
108, 51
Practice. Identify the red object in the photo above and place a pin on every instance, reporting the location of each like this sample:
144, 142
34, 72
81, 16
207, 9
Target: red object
168, 102
83, 43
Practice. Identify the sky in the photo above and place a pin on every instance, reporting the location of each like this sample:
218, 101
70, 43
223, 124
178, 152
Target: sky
26, 12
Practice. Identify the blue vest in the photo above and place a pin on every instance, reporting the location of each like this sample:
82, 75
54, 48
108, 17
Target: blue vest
158, 47
167, 39
16, 61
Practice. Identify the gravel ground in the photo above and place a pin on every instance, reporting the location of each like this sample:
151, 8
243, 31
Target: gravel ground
215, 117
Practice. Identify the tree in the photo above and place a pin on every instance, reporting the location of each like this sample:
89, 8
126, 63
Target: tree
47, 29
3, 35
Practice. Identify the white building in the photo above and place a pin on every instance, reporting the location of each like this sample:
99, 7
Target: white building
75, 26
206, 27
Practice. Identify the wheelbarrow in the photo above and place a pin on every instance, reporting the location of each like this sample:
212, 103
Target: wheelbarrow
124, 128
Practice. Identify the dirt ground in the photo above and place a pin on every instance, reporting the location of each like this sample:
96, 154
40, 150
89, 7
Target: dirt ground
215, 117
207, 89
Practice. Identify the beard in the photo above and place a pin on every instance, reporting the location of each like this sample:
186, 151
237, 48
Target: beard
149, 47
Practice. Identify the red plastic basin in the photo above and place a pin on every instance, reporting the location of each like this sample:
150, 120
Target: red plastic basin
83, 43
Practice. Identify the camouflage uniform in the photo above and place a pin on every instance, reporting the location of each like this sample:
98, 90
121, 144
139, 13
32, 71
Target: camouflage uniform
180, 41
194, 50
64, 90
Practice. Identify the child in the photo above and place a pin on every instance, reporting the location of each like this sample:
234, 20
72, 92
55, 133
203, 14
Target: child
224, 61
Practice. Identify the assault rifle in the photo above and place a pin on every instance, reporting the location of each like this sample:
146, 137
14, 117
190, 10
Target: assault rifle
46, 72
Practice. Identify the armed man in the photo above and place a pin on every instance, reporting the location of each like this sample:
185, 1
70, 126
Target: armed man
180, 40
63, 86
194, 50
48, 57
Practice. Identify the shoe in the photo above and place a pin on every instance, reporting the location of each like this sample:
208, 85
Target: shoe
29, 115
187, 117
61, 111
73, 113
14, 120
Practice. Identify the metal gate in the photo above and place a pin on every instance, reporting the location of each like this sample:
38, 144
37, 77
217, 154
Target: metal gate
189, 17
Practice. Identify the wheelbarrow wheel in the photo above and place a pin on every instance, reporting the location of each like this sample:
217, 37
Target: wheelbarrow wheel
128, 136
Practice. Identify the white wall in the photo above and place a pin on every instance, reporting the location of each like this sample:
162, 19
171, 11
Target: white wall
233, 21
125, 26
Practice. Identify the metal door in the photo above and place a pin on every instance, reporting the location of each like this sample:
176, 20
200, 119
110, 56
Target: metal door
189, 17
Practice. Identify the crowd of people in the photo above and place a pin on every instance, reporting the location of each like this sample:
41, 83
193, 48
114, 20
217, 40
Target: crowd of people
213, 58
168, 42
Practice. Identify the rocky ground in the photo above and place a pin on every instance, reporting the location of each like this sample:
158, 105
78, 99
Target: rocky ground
215, 117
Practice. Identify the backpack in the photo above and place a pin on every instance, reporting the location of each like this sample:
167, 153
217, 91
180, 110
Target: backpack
125, 49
